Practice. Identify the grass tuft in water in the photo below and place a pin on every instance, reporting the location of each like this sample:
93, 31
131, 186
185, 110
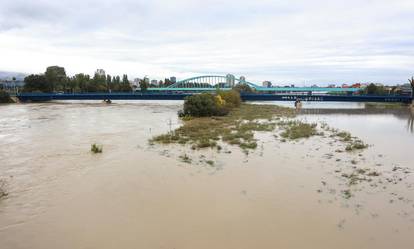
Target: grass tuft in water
356, 145
185, 158
347, 193
96, 148
345, 136
297, 129
352, 143
3, 192
210, 162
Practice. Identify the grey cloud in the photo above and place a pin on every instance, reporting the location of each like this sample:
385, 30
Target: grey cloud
268, 39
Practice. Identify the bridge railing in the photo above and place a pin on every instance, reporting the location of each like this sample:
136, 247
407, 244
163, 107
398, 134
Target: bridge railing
182, 95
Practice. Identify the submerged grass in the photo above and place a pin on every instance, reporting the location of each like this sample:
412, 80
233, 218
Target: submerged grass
185, 158
383, 105
236, 128
298, 129
356, 177
345, 136
239, 127
352, 143
210, 162
356, 145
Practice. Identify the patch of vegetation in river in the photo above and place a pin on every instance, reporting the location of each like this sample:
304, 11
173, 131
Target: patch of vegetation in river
236, 128
241, 128
95, 148
3, 192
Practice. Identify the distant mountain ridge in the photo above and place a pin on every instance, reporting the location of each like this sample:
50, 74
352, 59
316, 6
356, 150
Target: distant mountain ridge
5, 75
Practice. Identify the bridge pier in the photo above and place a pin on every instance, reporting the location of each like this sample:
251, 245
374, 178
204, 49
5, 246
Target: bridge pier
108, 97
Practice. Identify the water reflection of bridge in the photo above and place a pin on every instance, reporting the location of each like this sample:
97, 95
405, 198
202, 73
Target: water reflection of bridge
398, 112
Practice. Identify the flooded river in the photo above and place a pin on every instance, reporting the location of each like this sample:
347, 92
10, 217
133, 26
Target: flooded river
137, 195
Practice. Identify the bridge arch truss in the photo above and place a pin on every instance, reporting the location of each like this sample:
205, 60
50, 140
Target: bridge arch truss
205, 81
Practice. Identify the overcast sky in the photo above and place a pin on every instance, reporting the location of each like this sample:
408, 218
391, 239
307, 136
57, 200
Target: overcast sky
296, 41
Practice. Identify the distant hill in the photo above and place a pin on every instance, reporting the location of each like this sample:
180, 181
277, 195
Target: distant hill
9, 75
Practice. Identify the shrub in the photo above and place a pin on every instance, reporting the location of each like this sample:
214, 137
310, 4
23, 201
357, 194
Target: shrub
232, 98
204, 105
96, 148
374, 89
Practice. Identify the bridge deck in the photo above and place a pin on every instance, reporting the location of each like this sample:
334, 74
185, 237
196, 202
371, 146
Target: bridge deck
261, 89
180, 96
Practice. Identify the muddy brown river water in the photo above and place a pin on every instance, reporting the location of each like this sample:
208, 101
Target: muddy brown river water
137, 195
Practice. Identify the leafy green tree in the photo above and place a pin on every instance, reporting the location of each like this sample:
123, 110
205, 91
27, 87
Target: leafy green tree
371, 89
36, 82
114, 84
374, 89
72, 84
99, 79
125, 79
167, 82
243, 88
204, 105
97, 84
81, 81
56, 77
231, 98
109, 82
125, 86
143, 85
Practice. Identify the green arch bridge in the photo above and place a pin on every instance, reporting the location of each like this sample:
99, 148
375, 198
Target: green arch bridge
212, 82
